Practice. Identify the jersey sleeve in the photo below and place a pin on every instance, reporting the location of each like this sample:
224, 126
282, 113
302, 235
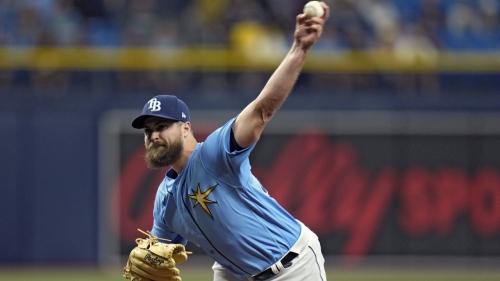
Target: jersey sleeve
232, 167
160, 229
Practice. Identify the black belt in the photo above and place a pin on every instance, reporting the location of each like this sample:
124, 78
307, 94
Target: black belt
286, 261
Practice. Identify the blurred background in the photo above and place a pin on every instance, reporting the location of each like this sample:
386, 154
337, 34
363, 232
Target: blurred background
388, 147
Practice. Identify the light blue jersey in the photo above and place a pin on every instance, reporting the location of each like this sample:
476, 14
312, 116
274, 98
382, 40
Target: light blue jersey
215, 196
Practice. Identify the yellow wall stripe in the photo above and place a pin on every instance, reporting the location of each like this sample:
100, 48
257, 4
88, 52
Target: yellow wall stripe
220, 59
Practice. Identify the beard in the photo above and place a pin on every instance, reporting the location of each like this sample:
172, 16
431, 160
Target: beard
162, 155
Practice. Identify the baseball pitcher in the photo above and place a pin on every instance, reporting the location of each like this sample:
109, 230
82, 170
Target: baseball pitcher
209, 195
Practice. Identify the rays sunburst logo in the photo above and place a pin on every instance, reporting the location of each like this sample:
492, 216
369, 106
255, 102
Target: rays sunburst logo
200, 198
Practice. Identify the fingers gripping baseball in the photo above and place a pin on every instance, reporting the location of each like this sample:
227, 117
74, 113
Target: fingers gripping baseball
309, 30
152, 260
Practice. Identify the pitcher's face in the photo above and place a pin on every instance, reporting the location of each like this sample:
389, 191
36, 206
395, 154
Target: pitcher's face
163, 141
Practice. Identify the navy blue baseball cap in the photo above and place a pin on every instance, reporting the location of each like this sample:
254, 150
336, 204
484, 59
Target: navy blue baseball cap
163, 106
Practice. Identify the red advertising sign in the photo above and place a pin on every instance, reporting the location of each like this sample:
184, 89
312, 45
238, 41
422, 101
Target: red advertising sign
362, 194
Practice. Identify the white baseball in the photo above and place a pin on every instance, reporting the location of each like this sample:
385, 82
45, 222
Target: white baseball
313, 9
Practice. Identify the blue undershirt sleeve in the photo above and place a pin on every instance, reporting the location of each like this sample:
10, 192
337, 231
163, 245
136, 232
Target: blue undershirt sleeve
233, 145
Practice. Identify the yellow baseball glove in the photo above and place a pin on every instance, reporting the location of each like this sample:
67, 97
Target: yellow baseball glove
152, 260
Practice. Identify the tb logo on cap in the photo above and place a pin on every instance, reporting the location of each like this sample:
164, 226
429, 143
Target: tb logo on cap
154, 104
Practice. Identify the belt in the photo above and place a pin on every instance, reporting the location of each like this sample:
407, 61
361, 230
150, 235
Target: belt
286, 261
